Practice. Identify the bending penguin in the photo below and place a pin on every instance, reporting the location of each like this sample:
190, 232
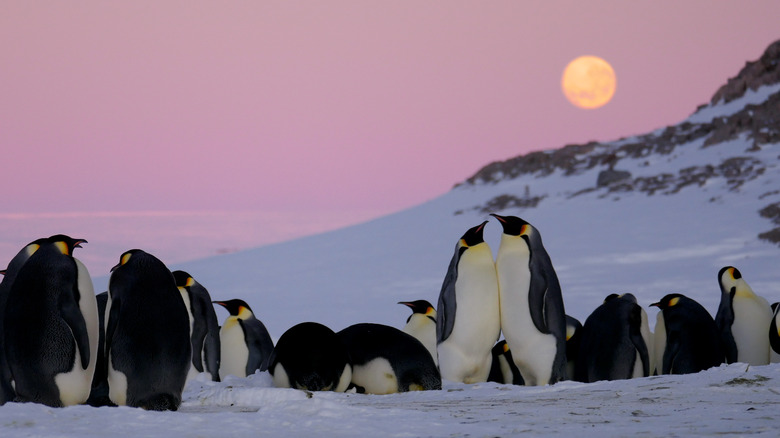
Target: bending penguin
309, 356
148, 348
51, 326
743, 320
690, 337
614, 342
205, 327
386, 360
533, 319
422, 325
246, 344
468, 322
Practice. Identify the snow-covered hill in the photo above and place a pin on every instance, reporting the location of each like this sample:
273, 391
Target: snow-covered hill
650, 215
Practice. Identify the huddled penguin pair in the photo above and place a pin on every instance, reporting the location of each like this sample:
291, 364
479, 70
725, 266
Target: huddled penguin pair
372, 358
49, 325
518, 294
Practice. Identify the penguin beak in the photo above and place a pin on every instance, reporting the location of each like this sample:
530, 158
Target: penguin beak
406, 303
79, 242
2, 272
115, 267
221, 303
500, 218
658, 304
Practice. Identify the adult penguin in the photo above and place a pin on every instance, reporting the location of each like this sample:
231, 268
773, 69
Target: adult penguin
205, 327
533, 319
614, 343
774, 334
468, 322
422, 325
148, 346
310, 356
51, 326
386, 360
246, 344
503, 369
692, 342
743, 320
7, 392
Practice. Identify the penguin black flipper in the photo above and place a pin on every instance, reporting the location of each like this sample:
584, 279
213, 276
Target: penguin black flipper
260, 345
445, 311
635, 323
774, 330
199, 331
724, 319
671, 353
111, 321
71, 314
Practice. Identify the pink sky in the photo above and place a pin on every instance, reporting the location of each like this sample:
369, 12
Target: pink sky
330, 105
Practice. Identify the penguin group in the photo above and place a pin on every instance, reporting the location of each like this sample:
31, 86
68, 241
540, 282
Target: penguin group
519, 295
139, 343
136, 344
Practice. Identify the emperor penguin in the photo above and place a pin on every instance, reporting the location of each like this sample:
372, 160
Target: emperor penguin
246, 344
692, 342
205, 327
386, 360
774, 334
148, 348
614, 343
573, 334
533, 319
51, 326
310, 356
743, 320
468, 322
422, 325
7, 392
503, 369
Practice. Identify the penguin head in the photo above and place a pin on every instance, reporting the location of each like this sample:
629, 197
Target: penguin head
66, 244
732, 283
473, 237
668, 301
125, 258
421, 307
183, 279
236, 307
500, 348
513, 225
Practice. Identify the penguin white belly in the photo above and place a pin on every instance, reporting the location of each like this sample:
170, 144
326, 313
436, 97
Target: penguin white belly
465, 356
185, 296
750, 329
506, 370
424, 330
533, 351
376, 377
647, 336
89, 310
281, 379
75, 385
117, 384
235, 353
346, 378
659, 345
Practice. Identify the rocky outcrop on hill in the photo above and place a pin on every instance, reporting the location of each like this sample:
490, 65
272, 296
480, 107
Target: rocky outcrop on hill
755, 125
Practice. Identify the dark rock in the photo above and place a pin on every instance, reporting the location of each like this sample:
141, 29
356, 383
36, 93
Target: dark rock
609, 176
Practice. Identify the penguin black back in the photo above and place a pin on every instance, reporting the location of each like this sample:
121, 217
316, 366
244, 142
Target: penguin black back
692, 339
411, 363
312, 357
611, 340
147, 334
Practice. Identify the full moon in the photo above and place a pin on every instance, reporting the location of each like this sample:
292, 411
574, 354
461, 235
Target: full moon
589, 82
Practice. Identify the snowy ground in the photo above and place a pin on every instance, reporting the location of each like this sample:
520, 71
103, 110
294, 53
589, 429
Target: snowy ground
730, 400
